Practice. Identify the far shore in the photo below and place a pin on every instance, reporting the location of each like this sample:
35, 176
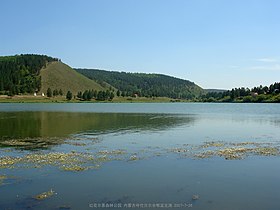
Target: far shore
62, 99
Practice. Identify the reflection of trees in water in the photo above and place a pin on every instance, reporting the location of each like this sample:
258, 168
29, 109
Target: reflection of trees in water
19, 125
46, 125
138, 122
275, 122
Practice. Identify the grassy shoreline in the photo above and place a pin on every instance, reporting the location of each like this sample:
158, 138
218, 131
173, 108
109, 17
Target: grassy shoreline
62, 99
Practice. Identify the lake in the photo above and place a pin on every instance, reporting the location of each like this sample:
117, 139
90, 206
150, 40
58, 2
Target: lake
139, 156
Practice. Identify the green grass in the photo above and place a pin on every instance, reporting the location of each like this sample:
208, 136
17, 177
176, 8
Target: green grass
32, 99
58, 75
62, 99
142, 100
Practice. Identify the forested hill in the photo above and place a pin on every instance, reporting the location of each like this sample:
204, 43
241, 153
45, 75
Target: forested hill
147, 85
20, 73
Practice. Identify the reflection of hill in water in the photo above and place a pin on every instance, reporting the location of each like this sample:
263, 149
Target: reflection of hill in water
61, 124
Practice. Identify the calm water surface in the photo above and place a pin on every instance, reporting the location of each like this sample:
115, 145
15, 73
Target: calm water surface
148, 132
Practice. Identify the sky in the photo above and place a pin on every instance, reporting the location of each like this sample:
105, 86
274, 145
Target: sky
214, 43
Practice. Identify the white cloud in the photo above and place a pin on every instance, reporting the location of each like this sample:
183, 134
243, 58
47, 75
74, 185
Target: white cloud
267, 60
234, 67
275, 67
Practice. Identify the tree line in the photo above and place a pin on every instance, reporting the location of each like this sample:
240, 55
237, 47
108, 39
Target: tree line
256, 94
87, 95
100, 95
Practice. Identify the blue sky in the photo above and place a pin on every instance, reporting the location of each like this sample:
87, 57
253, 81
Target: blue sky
215, 43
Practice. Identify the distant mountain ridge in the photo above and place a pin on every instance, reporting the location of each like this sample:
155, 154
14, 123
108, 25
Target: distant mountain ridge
215, 90
142, 84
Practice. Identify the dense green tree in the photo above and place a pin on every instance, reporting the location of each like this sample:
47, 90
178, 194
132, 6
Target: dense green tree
55, 92
112, 95
69, 95
49, 92
60, 92
86, 95
107, 94
118, 93
95, 94
101, 95
90, 94
80, 95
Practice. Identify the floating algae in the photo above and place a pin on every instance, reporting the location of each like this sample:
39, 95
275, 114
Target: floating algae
81, 161
179, 150
241, 152
112, 152
133, 158
229, 151
212, 144
246, 143
206, 154
8, 162
15, 142
234, 153
44, 195
267, 151
37, 160
31, 143
73, 168
70, 161
77, 143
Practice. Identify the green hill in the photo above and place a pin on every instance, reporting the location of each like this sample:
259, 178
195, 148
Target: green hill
29, 73
147, 85
58, 75
20, 73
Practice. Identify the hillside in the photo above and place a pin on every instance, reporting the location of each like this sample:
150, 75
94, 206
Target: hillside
20, 73
147, 85
58, 75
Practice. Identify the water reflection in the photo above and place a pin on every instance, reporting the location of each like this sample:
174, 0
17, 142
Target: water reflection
20, 125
